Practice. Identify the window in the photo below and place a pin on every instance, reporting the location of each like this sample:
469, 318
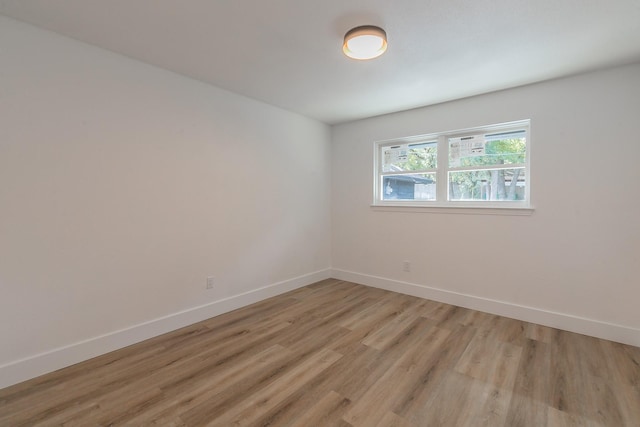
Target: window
481, 167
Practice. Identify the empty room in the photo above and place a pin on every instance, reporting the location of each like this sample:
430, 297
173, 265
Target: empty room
320, 213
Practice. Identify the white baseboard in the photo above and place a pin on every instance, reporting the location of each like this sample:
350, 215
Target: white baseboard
39, 364
581, 325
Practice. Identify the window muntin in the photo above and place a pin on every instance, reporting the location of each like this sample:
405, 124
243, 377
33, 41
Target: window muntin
486, 166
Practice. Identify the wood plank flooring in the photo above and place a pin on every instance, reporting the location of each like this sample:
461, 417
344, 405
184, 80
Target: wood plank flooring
340, 354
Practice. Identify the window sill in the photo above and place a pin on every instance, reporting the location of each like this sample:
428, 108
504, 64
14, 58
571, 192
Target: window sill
464, 210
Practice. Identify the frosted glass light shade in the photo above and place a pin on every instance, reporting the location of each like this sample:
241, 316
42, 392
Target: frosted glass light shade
366, 42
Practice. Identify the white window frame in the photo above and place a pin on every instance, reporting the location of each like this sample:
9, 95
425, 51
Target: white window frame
442, 202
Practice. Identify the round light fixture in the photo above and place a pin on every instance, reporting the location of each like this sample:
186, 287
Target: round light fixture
365, 42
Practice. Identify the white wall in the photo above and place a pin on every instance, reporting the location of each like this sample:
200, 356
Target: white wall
123, 186
574, 263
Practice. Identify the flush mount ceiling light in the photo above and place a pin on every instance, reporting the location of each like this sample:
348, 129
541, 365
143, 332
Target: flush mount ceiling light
365, 42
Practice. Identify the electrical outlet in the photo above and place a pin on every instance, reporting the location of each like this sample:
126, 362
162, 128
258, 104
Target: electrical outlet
210, 282
406, 266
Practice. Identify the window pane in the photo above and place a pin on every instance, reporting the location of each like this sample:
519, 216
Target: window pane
489, 149
409, 157
409, 187
492, 184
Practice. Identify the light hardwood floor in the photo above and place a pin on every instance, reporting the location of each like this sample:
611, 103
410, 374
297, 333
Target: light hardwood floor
341, 354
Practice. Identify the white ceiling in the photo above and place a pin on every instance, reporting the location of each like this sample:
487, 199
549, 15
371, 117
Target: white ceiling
288, 52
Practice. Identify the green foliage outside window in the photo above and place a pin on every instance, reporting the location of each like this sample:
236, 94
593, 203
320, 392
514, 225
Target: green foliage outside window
490, 184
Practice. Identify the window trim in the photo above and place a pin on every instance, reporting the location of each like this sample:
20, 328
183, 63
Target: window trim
442, 203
